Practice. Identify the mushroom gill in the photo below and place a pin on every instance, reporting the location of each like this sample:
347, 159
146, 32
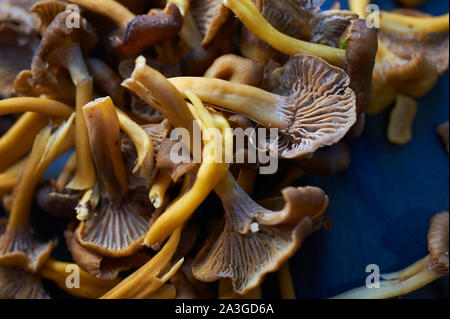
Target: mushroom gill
117, 227
256, 241
19, 284
310, 103
18, 247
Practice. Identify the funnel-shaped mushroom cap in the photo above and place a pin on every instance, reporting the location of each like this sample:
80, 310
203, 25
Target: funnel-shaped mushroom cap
145, 31
19, 284
327, 27
18, 248
100, 266
256, 241
58, 204
209, 16
56, 44
434, 47
320, 106
438, 241
46, 11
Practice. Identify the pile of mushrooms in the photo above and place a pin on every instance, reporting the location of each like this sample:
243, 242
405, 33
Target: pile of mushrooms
108, 85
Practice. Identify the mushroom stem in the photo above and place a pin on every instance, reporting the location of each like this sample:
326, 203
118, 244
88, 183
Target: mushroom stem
19, 139
104, 137
261, 28
90, 286
112, 9
144, 282
287, 290
159, 189
359, 7
84, 177
167, 291
142, 141
400, 283
259, 105
400, 23
43, 106
45, 149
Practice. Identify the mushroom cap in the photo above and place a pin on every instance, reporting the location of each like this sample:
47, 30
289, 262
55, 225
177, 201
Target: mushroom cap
320, 105
209, 16
18, 248
51, 54
100, 266
438, 241
46, 11
360, 53
256, 241
19, 284
15, 14
16, 52
328, 26
236, 69
148, 30
434, 47
57, 204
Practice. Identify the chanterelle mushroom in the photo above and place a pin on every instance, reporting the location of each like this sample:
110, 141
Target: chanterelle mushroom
255, 240
119, 223
421, 273
311, 104
18, 247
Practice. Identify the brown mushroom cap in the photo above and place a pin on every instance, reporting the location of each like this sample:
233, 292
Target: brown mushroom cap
209, 16
360, 53
56, 203
327, 27
98, 265
19, 284
46, 11
18, 248
438, 241
56, 42
256, 240
236, 69
433, 47
321, 106
148, 30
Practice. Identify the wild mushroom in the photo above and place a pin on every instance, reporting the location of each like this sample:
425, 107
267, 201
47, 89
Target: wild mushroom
401, 120
16, 283
61, 48
18, 247
418, 275
256, 241
287, 290
19, 138
151, 276
119, 223
311, 105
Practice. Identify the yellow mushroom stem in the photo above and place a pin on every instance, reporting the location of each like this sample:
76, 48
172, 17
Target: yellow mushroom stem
287, 290
142, 141
66, 174
401, 120
209, 174
44, 151
109, 8
148, 279
359, 7
400, 23
89, 286
85, 177
255, 103
167, 291
104, 137
159, 189
250, 16
400, 283
42, 106
10, 177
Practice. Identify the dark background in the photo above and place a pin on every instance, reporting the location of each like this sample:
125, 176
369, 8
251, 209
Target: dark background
380, 207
